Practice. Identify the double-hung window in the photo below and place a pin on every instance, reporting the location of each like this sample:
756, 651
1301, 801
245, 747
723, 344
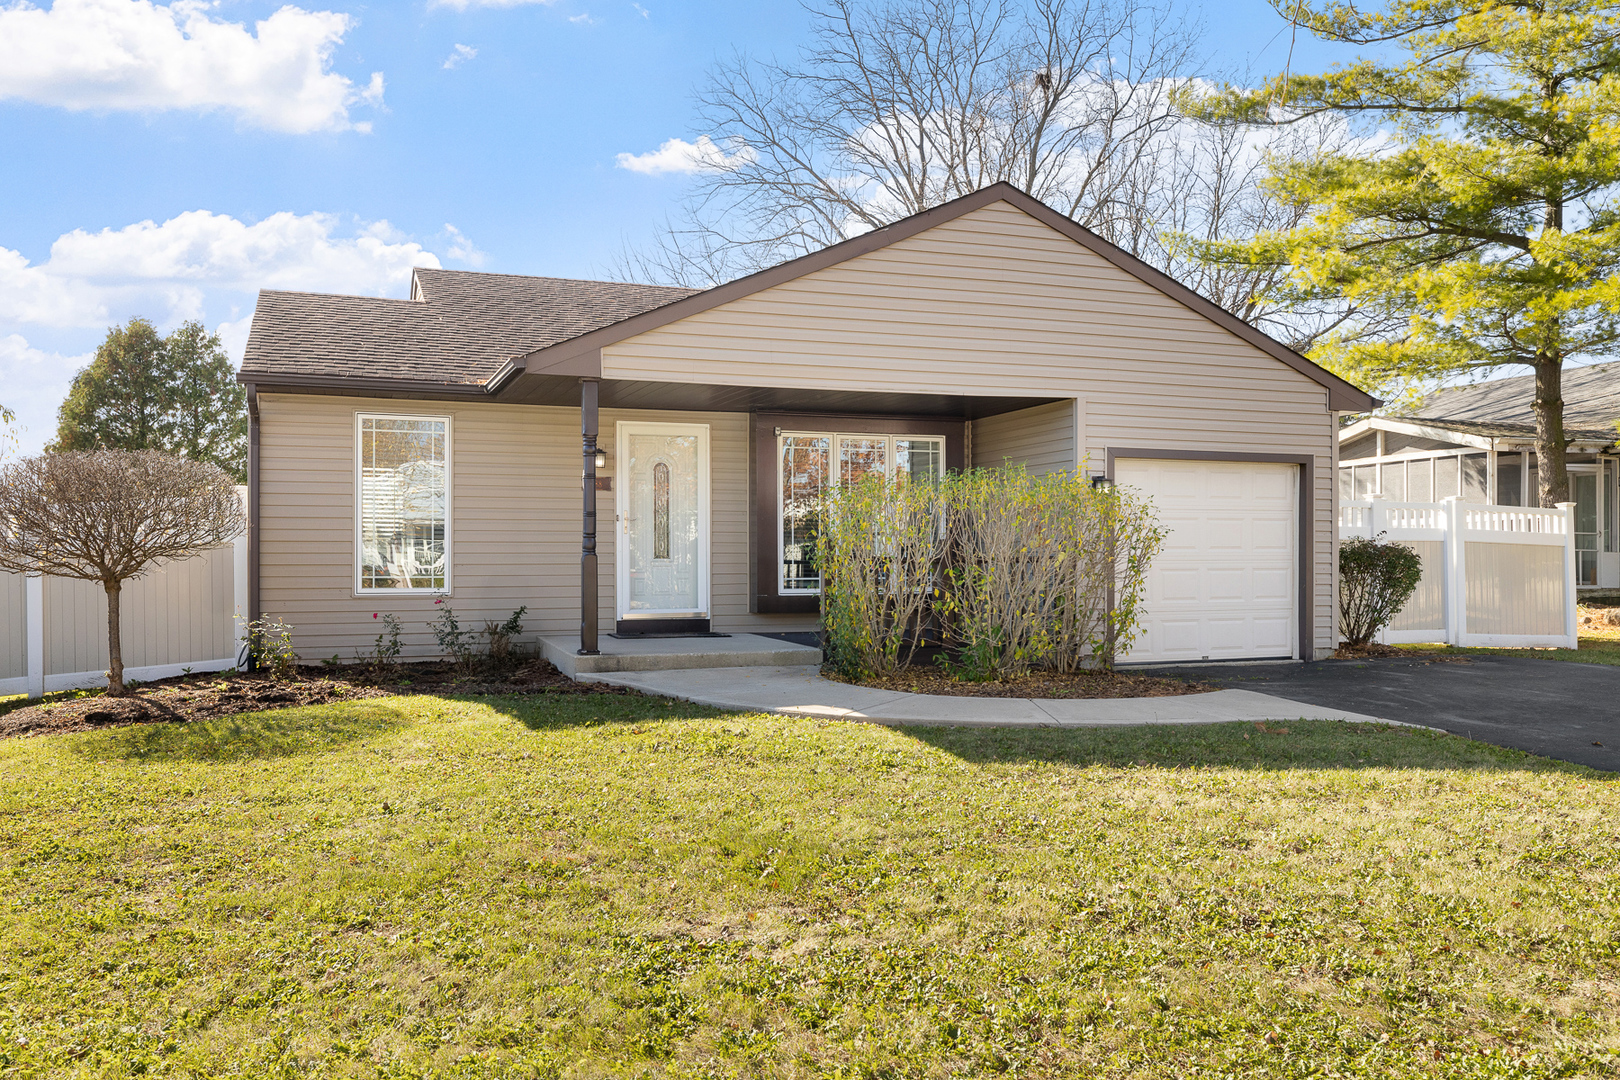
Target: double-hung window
809, 462
402, 512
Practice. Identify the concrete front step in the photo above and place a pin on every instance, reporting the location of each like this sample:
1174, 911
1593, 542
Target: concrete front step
677, 653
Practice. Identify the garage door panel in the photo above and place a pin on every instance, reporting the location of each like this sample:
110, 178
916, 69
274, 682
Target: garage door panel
1225, 585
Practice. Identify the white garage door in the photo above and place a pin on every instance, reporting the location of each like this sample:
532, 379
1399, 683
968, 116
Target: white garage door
1225, 585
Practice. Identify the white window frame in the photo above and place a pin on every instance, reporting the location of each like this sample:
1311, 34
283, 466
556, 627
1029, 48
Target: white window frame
449, 512
835, 467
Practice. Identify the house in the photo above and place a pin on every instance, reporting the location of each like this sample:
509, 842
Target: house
1478, 442
630, 459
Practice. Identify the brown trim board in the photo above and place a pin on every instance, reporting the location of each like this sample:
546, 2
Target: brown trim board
763, 597
1307, 524
253, 502
585, 351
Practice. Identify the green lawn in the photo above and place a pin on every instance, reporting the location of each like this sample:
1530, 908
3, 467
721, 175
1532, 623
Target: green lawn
594, 886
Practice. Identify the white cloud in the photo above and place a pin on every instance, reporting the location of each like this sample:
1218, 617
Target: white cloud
583, 19
680, 156
463, 249
463, 5
460, 55
171, 266
134, 54
35, 382
643, 12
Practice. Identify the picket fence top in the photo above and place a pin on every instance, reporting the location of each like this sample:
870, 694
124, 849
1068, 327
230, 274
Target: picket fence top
1473, 517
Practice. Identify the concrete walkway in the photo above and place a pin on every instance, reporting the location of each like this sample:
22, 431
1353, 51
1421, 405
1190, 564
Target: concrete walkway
798, 691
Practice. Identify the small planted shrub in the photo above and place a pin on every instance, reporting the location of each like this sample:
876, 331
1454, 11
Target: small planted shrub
270, 647
1376, 579
454, 642
386, 649
503, 636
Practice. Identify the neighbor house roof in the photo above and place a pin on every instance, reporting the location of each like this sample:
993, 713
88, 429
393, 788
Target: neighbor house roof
465, 331
458, 328
1591, 400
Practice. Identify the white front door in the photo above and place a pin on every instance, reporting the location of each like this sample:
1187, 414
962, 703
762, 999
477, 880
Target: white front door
663, 518
1224, 587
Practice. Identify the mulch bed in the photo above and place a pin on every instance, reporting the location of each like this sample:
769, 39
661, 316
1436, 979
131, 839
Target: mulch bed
212, 695
1370, 651
1039, 684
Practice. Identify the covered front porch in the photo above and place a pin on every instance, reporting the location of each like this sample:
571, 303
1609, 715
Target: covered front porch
680, 518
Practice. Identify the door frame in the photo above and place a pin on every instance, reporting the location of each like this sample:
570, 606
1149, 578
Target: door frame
1304, 517
621, 576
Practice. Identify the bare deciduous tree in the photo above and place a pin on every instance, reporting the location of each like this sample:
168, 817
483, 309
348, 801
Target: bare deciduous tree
108, 516
900, 105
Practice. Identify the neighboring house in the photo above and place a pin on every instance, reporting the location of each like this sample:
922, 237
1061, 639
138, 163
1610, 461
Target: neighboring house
1478, 442
407, 450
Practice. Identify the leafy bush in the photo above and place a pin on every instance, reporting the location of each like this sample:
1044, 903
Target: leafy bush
1376, 579
1010, 571
454, 642
503, 635
385, 651
270, 647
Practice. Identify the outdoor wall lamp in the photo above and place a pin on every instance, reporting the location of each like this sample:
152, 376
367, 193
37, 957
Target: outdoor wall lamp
601, 459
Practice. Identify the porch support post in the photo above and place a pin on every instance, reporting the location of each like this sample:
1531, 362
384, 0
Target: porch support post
588, 389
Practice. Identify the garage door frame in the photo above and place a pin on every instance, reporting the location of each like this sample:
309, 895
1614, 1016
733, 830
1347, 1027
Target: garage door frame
1305, 516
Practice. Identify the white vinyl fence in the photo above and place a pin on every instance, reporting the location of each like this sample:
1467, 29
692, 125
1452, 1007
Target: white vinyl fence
176, 616
1492, 575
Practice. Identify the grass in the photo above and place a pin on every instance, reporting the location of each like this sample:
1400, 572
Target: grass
1594, 645
611, 886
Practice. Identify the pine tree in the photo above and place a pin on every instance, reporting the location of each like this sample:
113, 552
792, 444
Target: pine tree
1485, 215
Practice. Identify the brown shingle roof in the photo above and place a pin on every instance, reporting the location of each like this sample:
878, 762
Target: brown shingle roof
1591, 399
459, 330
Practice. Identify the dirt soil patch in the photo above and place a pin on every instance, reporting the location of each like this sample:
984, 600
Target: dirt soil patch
213, 695
1370, 651
1038, 684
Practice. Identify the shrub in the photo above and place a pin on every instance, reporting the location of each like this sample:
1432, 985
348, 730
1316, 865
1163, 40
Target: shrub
385, 651
270, 647
502, 636
1376, 579
1011, 571
454, 642
878, 553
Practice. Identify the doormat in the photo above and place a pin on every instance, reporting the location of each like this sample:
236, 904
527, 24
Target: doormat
654, 637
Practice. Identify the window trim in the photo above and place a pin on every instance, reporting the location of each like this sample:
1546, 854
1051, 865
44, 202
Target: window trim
764, 488
449, 513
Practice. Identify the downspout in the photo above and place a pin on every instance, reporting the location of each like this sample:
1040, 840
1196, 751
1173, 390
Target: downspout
253, 503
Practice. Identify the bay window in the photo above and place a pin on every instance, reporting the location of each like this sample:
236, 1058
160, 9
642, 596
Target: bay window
402, 512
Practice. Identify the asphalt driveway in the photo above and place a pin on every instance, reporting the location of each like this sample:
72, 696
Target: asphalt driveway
1549, 707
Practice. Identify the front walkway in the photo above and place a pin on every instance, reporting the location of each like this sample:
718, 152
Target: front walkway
799, 691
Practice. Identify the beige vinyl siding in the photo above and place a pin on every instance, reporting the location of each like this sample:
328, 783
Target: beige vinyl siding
997, 303
514, 520
175, 613
1040, 439
13, 628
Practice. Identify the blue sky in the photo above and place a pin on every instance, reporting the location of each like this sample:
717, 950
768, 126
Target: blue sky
169, 161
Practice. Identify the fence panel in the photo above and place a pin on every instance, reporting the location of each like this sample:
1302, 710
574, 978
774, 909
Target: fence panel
1492, 575
177, 616
13, 634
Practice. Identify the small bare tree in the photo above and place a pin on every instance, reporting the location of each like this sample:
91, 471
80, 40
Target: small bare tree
107, 516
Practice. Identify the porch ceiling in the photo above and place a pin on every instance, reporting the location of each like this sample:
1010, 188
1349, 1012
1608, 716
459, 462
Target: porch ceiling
534, 389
